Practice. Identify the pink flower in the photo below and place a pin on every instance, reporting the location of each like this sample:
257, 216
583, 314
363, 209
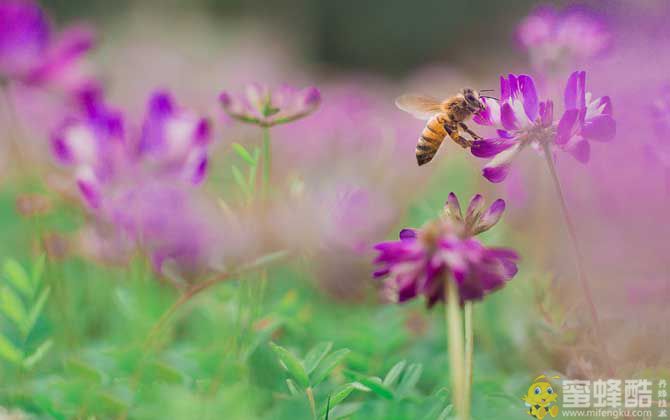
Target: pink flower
552, 37
30, 53
172, 144
522, 120
445, 250
263, 106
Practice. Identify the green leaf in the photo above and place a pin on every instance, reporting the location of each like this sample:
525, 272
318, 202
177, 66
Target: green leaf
374, 384
244, 154
337, 398
18, 277
328, 365
446, 412
239, 179
84, 370
36, 310
393, 374
315, 355
410, 378
12, 307
344, 410
292, 364
292, 388
9, 351
38, 354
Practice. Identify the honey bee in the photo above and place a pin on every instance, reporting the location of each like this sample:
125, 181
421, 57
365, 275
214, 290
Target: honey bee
445, 118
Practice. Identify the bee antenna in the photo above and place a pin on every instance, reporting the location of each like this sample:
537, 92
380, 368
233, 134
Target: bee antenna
490, 97
487, 90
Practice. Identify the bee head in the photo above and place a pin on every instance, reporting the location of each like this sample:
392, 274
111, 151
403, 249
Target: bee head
472, 99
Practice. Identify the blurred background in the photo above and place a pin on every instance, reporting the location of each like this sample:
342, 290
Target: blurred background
345, 178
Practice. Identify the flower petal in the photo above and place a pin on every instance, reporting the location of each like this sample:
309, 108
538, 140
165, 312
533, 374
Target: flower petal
508, 118
453, 207
600, 128
491, 217
487, 148
574, 96
474, 208
567, 126
580, 149
547, 113
529, 94
406, 234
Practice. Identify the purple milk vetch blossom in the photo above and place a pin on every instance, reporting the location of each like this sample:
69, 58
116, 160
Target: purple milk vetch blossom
138, 181
552, 37
172, 143
266, 107
521, 119
445, 250
30, 53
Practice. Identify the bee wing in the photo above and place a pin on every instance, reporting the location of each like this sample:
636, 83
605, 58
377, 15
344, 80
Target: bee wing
420, 106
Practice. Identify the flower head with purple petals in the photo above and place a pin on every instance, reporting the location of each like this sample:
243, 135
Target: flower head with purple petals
265, 107
521, 119
552, 37
445, 250
172, 143
31, 54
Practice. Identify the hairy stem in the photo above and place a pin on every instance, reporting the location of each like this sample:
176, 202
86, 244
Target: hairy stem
579, 259
455, 345
469, 351
267, 161
572, 231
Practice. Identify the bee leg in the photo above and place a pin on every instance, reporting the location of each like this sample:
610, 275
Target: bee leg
456, 137
470, 132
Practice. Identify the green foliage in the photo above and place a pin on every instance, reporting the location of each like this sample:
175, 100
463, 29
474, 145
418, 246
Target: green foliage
22, 301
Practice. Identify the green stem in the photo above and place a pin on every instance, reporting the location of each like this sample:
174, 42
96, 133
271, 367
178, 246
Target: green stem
455, 345
579, 259
572, 231
312, 403
469, 350
267, 161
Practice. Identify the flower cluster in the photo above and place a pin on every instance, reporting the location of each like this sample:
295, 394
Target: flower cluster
445, 250
265, 107
30, 53
521, 119
172, 143
552, 37
137, 179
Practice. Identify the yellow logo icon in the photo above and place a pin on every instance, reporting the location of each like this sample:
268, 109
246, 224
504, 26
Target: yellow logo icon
541, 398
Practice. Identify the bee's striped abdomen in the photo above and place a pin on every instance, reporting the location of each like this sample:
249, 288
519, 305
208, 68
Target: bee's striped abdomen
431, 138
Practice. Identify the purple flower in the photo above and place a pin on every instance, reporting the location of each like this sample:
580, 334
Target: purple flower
172, 144
522, 120
552, 37
30, 53
445, 250
265, 107
476, 219
421, 261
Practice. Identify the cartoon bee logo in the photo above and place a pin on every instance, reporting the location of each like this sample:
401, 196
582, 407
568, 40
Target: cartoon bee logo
541, 398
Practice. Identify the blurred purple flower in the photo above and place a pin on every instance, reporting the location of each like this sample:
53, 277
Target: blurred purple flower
265, 107
522, 120
445, 250
172, 144
30, 53
552, 37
